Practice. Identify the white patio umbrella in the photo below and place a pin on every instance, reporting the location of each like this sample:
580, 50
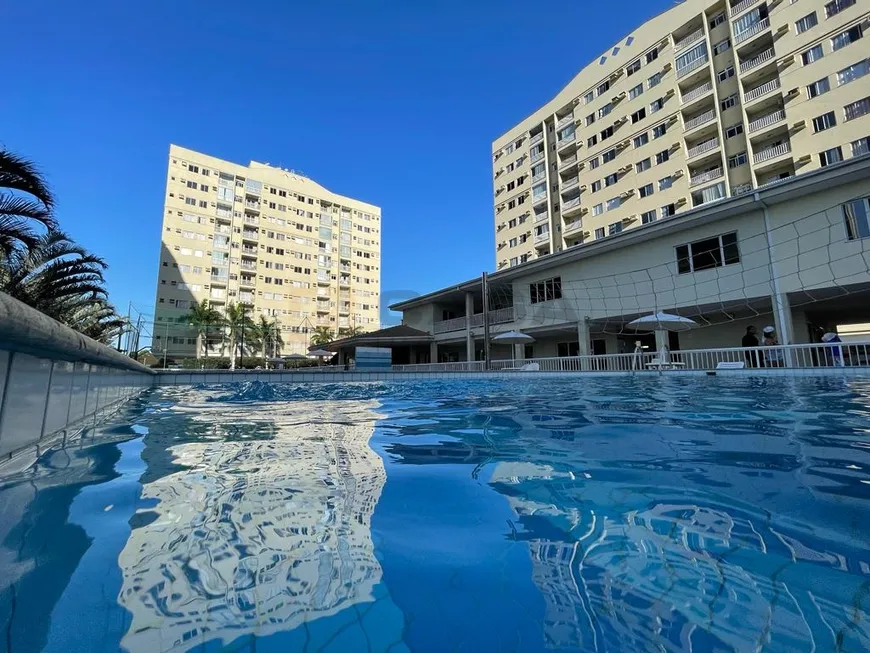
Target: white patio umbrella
661, 323
513, 338
321, 353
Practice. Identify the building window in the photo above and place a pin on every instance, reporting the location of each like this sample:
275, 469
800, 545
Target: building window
546, 291
614, 228
588, 97
596, 185
594, 163
818, 88
592, 140
825, 121
606, 133
640, 166
724, 74
598, 209
857, 109
734, 130
665, 183
806, 23
638, 115
828, 157
602, 88
835, 7
599, 233
853, 72
856, 215
645, 191
668, 210
609, 180
590, 119
655, 80
849, 36
728, 102
662, 156
861, 146
647, 217
613, 203
722, 46
708, 254
641, 139
514, 261
606, 109
632, 68
718, 19
813, 54
609, 155
660, 130
656, 105
634, 92
737, 160
652, 55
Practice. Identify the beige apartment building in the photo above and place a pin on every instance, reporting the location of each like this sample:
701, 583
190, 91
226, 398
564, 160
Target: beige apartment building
707, 100
267, 238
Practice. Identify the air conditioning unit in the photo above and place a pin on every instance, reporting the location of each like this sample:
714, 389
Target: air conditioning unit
619, 121
800, 124
680, 201
627, 194
625, 168
806, 158
618, 97
616, 74
670, 93
793, 92
677, 174
629, 219
582, 187
666, 67
624, 144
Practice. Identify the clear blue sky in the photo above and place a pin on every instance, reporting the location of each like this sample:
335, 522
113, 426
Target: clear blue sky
393, 102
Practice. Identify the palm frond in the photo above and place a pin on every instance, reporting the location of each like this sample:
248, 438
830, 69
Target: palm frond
18, 173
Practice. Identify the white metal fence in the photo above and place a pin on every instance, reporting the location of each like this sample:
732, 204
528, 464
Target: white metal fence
829, 355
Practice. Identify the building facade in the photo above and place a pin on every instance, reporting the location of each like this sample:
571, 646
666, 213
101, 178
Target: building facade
794, 255
269, 239
710, 99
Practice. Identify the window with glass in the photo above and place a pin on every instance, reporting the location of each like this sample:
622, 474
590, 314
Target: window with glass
835, 7
655, 80
662, 157
734, 130
660, 130
813, 54
648, 216
846, 38
818, 88
728, 102
722, 46
598, 209
829, 157
698, 52
645, 191
567, 132
652, 55
635, 91
606, 109
592, 140
594, 163
737, 160
590, 119
539, 191
725, 73
861, 146
668, 210
665, 183
632, 68
545, 291
857, 109
709, 194
717, 20
640, 166
614, 228
750, 19
606, 133
609, 155
638, 115
856, 215
613, 203
603, 88
805, 23
657, 105
596, 185
708, 253
853, 72
641, 139
599, 233
611, 179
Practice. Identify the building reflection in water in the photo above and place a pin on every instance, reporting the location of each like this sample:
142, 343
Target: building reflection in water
260, 521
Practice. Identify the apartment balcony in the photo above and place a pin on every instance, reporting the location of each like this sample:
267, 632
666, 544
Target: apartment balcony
697, 121
766, 121
691, 39
250, 235
498, 316
707, 176
543, 238
565, 120
541, 217
747, 34
761, 91
701, 148
539, 176
566, 141
740, 7
697, 63
764, 57
247, 282
322, 307
220, 279
255, 206
572, 208
570, 183
537, 138
770, 153
538, 199
248, 265
323, 281
343, 281
567, 163
697, 92
344, 268
740, 189
572, 226
223, 247
249, 251
534, 158
222, 230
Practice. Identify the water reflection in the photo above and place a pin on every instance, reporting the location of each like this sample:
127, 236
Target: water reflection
257, 520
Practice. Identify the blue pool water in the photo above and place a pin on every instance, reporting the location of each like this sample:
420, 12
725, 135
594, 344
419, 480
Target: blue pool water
616, 514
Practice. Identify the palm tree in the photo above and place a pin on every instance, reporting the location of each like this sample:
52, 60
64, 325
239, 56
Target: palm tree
268, 335
54, 276
97, 319
351, 332
321, 336
25, 199
240, 327
201, 317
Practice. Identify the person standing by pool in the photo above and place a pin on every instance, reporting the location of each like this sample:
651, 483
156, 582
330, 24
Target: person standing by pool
773, 357
750, 340
833, 355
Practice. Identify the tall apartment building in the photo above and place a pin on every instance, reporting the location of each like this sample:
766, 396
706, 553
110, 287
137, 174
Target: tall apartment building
707, 100
270, 239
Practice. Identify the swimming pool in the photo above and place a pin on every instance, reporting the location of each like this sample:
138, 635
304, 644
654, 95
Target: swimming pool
599, 514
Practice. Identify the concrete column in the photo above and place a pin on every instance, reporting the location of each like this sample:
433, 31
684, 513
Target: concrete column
784, 327
519, 352
469, 338
433, 352
662, 345
584, 338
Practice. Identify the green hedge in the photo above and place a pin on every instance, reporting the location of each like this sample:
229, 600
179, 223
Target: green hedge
248, 362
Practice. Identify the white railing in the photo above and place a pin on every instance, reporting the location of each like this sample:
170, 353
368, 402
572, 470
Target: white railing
537, 138
697, 63
573, 181
539, 176
767, 120
704, 177
567, 139
566, 162
764, 89
250, 235
752, 31
564, 120
542, 237
810, 356
697, 92
739, 189
697, 121
772, 152
536, 199
767, 55
570, 204
536, 157
496, 316
540, 217
706, 146
740, 7
687, 41
571, 226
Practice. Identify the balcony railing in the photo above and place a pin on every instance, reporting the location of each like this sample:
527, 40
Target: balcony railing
542, 238
542, 217
536, 199
697, 121
706, 146
772, 152
537, 138
760, 26
697, 63
764, 89
566, 162
697, 92
572, 226
250, 235
252, 205
498, 316
536, 157
767, 55
571, 183
567, 139
704, 177
570, 204
248, 266
565, 120
740, 7
740, 189
766, 121
539, 176
689, 40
